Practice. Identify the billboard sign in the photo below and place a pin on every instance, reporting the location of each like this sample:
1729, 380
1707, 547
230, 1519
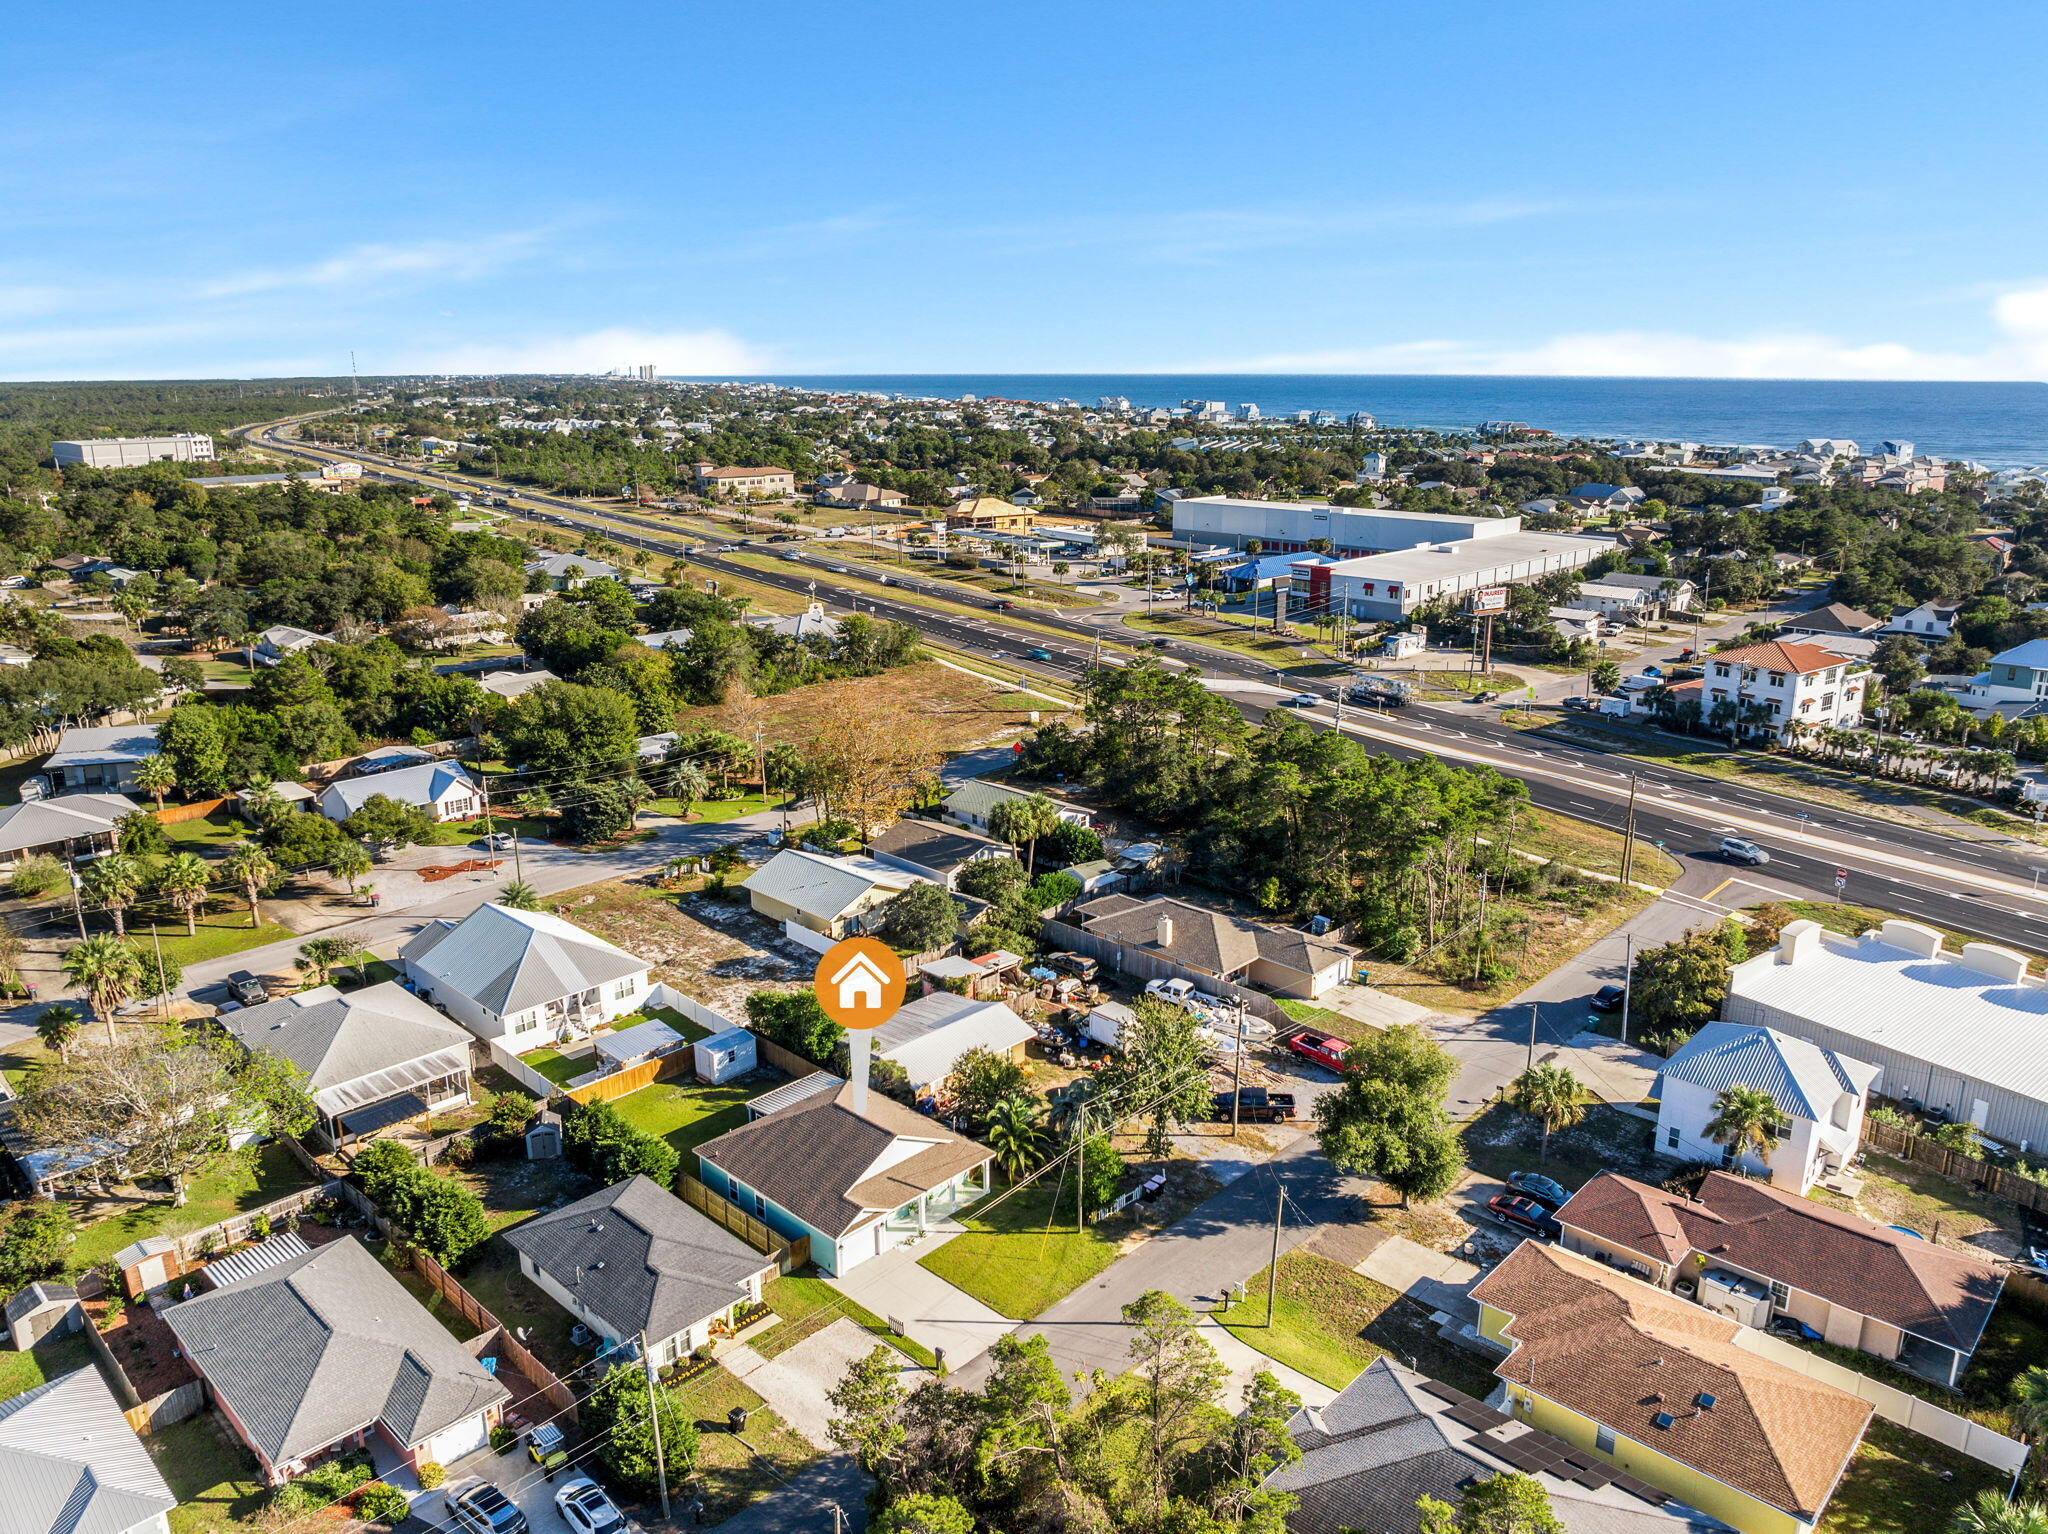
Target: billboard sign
1489, 600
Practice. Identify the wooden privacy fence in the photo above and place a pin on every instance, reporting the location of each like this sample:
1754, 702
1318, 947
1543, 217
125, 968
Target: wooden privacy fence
757, 1233
680, 1062
1954, 1165
768, 1052
178, 814
1149, 966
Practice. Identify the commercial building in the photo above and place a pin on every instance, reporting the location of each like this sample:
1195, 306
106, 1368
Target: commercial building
1664, 1392
1388, 587
756, 480
130, 452
1957, 1032
1290, 527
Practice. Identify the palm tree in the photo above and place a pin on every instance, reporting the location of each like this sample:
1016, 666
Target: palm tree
183, 881
350, 862
261, 804
322, 955
689, 783
114, 881
156, 776
1551, 1094
2030, 1402
1745, 1118
108, 970
1604, 677
1013, 1133
57, 1027
1989, 1513
250, 866
1020, 822
519, 896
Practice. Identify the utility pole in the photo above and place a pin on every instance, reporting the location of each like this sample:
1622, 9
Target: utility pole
1628, 834
483, 779
1628, 981
1273, 1267
1479, 944
1081, 1173
654, 1416
1237, 1073
1531, 1065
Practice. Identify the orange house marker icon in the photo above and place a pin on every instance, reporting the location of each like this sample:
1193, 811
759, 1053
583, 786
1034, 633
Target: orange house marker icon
860, 983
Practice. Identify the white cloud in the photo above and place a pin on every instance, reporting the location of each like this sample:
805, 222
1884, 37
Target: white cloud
461, 259
595, 351
2018, 351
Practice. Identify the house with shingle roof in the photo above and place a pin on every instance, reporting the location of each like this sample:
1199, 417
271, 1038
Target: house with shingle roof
1280, 959
1921, 1305
326, 1353
934, 851
1820, 1097
70, 1464
635, 1262
1664, 1391
855, 1176
373, 1058
1392, 1437
527, 978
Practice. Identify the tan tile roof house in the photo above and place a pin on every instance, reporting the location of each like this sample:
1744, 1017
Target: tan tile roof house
1216, 943
1671, 1386
1860, 1285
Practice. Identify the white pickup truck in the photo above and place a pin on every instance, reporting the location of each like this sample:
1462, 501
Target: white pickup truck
1182, 994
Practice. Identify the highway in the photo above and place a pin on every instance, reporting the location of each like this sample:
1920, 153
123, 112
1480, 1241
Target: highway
1987, 889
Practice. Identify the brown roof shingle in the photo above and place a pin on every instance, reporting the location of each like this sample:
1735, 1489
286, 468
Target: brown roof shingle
1620, 1352
1203, 939
1931, 1291
809, 1158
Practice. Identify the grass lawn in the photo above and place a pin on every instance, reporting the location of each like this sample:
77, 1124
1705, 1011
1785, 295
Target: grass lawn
717, 811
1024, 1255
58, 1353
962, 711
686, 1115
806, 1304
1593, 848
246, 1179
461, 833
730, 1471
220, 829
512, 1187
1226, 633
1894, 1483
491, 1274
1329, 1323
213, 1478
223, 929
559, 1068
1500, 1140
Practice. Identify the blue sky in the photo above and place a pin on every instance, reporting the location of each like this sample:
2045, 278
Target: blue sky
1814, 189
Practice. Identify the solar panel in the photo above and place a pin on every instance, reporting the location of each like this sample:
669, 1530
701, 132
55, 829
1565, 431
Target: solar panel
1641, 1489
1594, 1476
1515, 1454
1486, 1417
1445, 1392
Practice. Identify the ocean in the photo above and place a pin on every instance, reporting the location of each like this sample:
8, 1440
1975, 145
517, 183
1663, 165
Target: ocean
2000, 424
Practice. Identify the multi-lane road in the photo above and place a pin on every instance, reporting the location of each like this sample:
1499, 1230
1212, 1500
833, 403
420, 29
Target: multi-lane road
1983, 887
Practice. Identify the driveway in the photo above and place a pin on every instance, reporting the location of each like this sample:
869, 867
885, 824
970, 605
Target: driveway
924, 1305
795, 1382
517, 1477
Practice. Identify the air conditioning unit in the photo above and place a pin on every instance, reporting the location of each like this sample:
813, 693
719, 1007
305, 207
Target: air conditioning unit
1738, 1298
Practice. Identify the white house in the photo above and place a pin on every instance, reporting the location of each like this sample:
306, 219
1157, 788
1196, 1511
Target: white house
566, 572
444, 789
1820, 1097
820, 899
524, 977
274, 644
514, 685
1930, 621
1795, 684
1612, 599
100, 758
71, 1465
928, 1036
974, 802
63, 827
635, 1263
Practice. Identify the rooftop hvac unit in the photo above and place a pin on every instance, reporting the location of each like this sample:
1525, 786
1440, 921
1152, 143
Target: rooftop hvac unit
1737, 1298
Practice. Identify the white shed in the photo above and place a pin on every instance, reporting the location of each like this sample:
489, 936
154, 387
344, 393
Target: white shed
725, 1055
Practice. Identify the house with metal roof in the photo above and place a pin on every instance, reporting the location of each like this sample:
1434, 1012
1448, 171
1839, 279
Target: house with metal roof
1660, 1391
281, 640
67, 826
326, 1353
634, 1263
853, 1171
70, 1464
973, 802
100, 758
928, 1036
514, 685
444, 790
1280, 959
1955, 1030
373, 1058
819, 898
566, 572
525, 978
1820, 1096
1392, 1437
1882, 1291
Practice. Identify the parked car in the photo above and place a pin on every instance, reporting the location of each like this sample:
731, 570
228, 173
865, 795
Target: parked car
1579, 705
1739, 849
478, 1507
493, 841
1485, 697
1608, 998
1793, 1327
1182, 994
586, 1509
1523, 1214
1321, 1048
1255, 1105
250, 990
1539, 1187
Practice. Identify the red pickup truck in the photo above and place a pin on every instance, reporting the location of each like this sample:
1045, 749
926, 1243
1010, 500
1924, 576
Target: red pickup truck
1322, 1048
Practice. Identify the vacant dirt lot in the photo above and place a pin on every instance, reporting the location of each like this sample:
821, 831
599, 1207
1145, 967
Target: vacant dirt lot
966, 711
714, 950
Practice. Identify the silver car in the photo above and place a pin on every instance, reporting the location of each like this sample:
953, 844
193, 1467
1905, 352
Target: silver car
587, 1510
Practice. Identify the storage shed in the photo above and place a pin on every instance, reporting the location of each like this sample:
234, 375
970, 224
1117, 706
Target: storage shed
724, 1056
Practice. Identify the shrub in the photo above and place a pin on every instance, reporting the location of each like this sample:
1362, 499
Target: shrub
445, 1218
598, 1141
431, 1473
506, 1114
503, 1437
459, 1153
293, 1500
383, 1504
259, 1227
35, 876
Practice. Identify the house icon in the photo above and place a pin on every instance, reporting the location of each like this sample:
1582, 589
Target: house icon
859, 984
